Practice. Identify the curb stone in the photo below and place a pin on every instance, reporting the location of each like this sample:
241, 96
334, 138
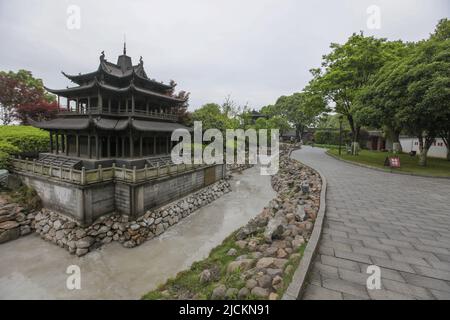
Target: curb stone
298, 283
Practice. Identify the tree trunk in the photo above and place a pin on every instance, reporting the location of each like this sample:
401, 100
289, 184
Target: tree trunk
352, 126
424, 146
298, 132
446, 138
395, 136
355, 132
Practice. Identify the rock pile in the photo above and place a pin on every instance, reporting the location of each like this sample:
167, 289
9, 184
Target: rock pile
14, 221
273, 238
78, 240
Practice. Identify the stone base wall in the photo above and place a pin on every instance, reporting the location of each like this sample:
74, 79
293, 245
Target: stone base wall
85, 204
80, 240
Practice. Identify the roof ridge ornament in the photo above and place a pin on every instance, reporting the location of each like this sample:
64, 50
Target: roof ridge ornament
102, 56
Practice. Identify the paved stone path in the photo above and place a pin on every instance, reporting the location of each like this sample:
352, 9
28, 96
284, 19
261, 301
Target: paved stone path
400, 223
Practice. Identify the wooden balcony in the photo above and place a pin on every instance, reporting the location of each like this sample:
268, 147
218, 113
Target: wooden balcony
125, 113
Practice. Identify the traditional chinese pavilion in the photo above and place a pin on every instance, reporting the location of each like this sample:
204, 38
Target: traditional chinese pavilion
114, 113
110, 145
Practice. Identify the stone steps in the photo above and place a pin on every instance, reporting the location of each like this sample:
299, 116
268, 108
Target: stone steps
58, 161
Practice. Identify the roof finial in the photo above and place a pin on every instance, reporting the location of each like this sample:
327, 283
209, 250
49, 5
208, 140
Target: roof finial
124, 44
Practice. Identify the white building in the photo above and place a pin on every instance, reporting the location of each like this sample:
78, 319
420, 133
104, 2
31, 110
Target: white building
437, 150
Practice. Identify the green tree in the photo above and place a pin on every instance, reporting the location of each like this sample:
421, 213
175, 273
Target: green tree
214, 116
442, 33
346, 70
18, 89
378, 102
413, 91
300, 109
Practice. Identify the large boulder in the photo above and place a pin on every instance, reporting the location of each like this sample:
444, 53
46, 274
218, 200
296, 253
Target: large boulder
242, 265
86, 242
275, 227
9, 234
219, 292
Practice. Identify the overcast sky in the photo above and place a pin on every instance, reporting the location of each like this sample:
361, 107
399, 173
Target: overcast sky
253, 50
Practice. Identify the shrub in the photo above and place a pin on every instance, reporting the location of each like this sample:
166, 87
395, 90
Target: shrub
27, 198
7, 147
331, 137
26, 138
4, 160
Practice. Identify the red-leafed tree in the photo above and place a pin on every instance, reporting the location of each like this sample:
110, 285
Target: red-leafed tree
40, 110
20, 90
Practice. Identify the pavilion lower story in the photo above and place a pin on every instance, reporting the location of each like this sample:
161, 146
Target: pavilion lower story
107, 145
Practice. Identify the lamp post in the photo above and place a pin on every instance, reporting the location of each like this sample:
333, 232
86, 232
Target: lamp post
340, 133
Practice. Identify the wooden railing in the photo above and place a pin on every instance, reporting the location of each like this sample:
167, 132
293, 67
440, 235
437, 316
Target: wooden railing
85, 177
137, 112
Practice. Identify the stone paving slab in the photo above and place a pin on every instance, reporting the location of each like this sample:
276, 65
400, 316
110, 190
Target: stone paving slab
400, 223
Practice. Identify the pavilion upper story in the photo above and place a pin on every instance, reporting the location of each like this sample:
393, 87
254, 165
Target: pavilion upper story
121, 90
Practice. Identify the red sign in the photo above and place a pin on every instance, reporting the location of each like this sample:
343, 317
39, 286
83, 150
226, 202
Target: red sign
393, 162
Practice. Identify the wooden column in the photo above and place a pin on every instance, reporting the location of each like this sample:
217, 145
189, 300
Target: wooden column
132, 103
122, 139
131, 146
57, 143
97, 154
154, 144
100, 102
167, 144
146, 107
66, 144
77, 145
89, 105
109, 105
126, 105
117, 146
51, 142
140, 146
108, 147
59, 104
77, 106
89, 147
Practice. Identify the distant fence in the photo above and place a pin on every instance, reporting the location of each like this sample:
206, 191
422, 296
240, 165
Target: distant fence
100, 174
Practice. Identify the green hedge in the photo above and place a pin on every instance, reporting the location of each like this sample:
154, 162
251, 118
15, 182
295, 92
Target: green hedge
28, 139
331, 137
7, 147
21, 139
4, 160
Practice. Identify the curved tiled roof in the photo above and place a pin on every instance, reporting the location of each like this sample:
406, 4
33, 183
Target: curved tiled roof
62, 123
111, 124
143, 125
107, 124
109, 87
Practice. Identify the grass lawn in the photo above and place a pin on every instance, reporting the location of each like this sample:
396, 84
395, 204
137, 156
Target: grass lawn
435, 166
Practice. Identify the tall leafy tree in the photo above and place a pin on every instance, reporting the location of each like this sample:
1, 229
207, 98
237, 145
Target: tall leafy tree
413, 92
300, 109
442, 34
377, 104
346, 70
